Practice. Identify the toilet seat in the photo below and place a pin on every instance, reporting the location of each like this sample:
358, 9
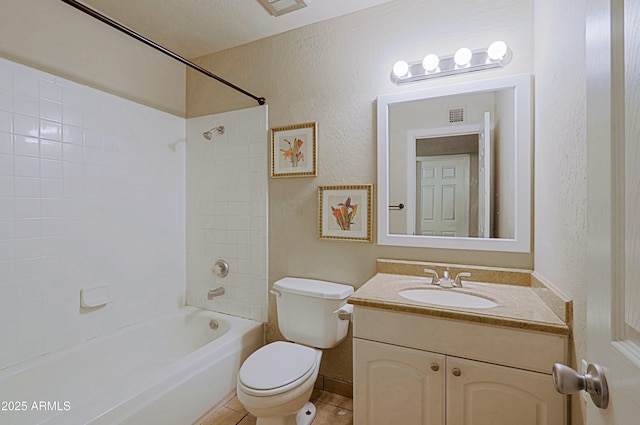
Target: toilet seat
277, 368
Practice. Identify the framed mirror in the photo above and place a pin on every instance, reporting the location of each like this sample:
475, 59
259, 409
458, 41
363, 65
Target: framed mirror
454, 166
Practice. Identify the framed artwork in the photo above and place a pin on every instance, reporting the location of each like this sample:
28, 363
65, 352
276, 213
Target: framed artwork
345, 212
293, 150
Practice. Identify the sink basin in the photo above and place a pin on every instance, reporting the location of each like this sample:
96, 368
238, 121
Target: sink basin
446, 298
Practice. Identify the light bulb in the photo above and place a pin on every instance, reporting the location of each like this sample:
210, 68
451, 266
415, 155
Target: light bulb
462, 56
497, 50
430, 62
400, 68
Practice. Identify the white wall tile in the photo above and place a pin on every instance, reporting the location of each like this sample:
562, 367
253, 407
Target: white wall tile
6, 164
26, 166
222, 216
26, 105
6, 186
50, 91
87, 196
50, 110
6, 142
6, 100
25, 84
26, 126
6, 121
26, 146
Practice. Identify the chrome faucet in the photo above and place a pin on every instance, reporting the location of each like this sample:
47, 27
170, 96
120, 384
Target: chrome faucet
446, 281
215, 293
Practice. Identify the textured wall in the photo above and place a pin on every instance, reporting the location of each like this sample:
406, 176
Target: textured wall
560, 158
332, 72
56, 38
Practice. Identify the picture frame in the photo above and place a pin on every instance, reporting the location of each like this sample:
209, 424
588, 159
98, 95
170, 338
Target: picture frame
294, 150
345, 212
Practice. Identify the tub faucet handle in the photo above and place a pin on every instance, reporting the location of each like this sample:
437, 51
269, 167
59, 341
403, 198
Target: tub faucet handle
220, 268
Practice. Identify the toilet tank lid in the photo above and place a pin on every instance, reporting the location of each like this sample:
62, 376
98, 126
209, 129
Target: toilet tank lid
313, 288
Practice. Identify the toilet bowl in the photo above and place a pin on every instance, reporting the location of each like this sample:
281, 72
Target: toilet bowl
275, 382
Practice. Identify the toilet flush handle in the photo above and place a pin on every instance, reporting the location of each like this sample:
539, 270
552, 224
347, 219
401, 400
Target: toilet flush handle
275, 292
345, 312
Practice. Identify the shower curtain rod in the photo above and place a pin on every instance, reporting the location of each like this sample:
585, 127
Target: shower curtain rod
131, 33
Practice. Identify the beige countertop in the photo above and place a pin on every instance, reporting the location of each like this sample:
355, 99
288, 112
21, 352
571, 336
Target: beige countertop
518, 306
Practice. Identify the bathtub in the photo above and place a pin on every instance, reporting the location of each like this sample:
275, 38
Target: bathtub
168, 370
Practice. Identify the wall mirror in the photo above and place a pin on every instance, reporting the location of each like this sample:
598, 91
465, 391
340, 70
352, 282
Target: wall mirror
454, 166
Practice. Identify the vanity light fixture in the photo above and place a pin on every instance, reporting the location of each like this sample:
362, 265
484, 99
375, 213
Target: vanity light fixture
497, 55
281, 7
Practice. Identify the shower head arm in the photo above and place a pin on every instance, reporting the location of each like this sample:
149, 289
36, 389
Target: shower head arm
219, 129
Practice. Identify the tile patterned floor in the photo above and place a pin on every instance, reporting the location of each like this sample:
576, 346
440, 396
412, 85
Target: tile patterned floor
332, 409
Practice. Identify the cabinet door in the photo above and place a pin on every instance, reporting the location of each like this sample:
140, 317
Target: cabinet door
397, 385
485, 394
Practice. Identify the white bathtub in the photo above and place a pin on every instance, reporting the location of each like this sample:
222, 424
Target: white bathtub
168, 370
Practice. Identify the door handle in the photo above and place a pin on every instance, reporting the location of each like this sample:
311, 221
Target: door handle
568, 381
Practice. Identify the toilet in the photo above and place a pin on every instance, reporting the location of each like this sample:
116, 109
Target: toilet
275, 382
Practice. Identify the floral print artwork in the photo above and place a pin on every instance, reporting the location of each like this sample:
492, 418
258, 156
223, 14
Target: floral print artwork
345, 214
294, 154
294, 150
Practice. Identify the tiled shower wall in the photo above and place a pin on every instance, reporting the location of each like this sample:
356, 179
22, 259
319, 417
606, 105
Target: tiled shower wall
227, 212
91, 193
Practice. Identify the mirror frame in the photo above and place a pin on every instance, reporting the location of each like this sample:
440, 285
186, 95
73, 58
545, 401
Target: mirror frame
521, 84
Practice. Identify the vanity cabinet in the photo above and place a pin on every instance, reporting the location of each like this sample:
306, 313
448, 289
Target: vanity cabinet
414, 369
397, 385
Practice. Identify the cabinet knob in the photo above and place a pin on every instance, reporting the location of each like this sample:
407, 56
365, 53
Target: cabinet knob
456, 372
435, 367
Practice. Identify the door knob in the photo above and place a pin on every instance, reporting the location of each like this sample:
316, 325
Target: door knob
568, 381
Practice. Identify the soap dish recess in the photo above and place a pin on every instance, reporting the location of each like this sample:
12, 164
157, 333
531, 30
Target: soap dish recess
95, 297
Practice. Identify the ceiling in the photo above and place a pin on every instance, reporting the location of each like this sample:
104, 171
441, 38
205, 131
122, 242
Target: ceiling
194, 28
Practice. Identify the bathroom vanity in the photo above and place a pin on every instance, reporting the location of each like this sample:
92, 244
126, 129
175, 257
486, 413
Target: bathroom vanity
419, 363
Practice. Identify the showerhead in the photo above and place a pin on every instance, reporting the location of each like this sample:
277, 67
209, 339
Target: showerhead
207, 134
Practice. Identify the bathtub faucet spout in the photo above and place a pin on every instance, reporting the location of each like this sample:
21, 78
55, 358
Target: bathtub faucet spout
215, 293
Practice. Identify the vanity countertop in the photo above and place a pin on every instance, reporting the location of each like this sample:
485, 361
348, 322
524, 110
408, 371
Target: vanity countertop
518, 306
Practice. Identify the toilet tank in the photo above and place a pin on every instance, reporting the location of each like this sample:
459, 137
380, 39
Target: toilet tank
306, 311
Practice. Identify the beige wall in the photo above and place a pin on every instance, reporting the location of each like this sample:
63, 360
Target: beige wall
560, 158
51, 36
332, 72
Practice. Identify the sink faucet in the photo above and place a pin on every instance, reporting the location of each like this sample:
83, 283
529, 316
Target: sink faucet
435, 279
446, 281
458, 280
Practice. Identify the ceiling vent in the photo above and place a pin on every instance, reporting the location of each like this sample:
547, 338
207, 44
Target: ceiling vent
280, 7
456, 115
